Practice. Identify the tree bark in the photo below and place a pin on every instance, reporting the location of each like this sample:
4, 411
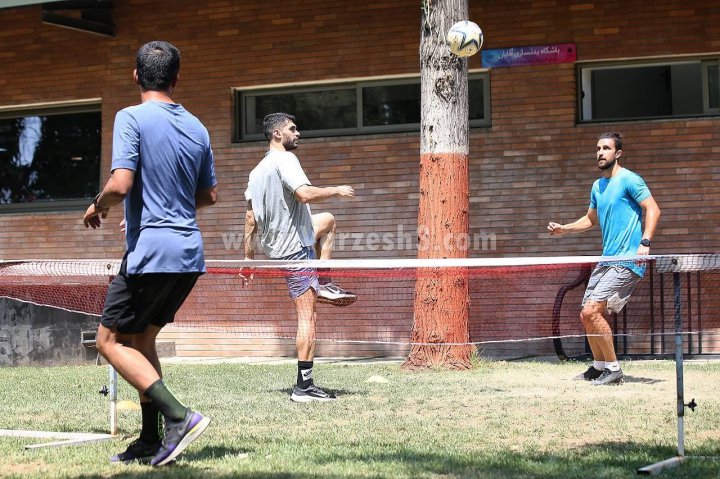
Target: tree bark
440, 333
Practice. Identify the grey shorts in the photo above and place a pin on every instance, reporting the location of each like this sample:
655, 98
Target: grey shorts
613, 284
300, 280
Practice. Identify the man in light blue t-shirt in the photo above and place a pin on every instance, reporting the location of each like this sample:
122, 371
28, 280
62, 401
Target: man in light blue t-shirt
162, 167
618, 201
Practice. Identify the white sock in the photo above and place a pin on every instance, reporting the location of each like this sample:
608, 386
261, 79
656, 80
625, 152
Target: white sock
599, 365
613, 366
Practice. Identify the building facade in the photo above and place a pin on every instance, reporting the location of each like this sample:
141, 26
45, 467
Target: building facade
350, 70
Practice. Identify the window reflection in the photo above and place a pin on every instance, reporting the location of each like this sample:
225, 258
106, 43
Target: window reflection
317, 110
391, 105
49, 157
363, 107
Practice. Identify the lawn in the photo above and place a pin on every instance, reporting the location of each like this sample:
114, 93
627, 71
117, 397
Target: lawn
499, 420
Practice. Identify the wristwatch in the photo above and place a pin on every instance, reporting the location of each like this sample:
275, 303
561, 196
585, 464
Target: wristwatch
645, 242
95, 201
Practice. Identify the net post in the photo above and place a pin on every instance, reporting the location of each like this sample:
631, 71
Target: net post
72, 439
679, 366
674, 461
112, 373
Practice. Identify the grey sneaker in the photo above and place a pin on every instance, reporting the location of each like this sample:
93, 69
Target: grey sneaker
590, 375
609, 377
179, 435
312, 393
331, 293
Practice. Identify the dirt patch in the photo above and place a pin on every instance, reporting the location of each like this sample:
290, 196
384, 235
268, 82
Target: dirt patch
25, 468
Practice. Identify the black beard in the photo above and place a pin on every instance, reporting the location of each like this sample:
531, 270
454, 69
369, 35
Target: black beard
607, 165
289, 146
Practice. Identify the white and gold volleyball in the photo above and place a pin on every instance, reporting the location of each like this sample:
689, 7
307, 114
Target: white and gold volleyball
465, 38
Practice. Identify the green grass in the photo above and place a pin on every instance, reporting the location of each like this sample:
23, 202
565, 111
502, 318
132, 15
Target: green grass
498, 420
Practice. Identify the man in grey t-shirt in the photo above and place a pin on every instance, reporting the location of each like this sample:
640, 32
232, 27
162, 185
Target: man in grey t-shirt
278, 197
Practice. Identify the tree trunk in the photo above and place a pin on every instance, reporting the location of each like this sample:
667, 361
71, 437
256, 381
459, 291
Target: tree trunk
440, 332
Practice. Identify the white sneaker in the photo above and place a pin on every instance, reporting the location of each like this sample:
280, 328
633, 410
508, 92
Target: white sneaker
330, 293
609, 377
312, 393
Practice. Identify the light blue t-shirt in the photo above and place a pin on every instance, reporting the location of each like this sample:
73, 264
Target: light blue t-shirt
617, 201
169, 151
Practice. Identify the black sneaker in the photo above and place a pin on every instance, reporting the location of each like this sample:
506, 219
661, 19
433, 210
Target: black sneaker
609, 377
139, 451
331, 293
312, 393
590, 375
178, 435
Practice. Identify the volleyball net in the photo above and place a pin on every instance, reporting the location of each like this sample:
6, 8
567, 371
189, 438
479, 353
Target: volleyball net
514, 307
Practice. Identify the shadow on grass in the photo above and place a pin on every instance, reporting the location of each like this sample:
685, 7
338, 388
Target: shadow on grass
600, 461
608, 460
641, 380
338, 392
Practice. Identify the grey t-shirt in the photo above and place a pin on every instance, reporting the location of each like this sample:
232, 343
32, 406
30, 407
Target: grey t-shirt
284, 223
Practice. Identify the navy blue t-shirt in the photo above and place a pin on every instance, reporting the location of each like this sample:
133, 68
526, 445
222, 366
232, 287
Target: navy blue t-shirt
169, 150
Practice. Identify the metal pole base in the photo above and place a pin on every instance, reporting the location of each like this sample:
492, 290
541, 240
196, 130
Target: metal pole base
66, 438
659, 466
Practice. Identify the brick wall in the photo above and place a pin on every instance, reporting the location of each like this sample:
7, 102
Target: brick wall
533, 165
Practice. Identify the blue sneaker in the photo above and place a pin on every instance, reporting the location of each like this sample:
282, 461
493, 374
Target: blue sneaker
179, 435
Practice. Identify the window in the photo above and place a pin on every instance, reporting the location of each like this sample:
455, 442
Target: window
350, 108
678, 88
49, 157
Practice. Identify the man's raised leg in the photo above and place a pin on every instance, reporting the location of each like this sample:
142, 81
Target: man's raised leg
324, 228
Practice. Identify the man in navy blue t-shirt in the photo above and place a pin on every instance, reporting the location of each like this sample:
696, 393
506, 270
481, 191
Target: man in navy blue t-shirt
618, 200
163, 168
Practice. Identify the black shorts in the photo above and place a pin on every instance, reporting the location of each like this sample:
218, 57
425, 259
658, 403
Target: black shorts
134, 301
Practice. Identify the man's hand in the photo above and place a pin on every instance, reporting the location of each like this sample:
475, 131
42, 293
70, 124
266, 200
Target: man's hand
556, 229
642, 251
246, 274
93, 215
123, 225
345, 191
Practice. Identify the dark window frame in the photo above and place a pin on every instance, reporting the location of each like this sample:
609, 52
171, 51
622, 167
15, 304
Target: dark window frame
241, 95
585, 88
93, 105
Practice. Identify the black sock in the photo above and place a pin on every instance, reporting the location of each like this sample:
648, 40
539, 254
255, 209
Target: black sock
151, 423
324, 276
304, 375
164, 400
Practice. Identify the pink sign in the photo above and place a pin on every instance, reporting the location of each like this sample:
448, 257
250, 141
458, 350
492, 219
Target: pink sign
537, 55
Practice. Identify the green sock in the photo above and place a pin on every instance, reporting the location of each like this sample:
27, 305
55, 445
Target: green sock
164, 400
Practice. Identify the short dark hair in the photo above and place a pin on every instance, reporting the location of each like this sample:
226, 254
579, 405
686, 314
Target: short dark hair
614, 136
274, 121
158, 64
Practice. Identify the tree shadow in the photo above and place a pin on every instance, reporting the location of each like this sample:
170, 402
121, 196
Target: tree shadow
603, 460
337, 392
